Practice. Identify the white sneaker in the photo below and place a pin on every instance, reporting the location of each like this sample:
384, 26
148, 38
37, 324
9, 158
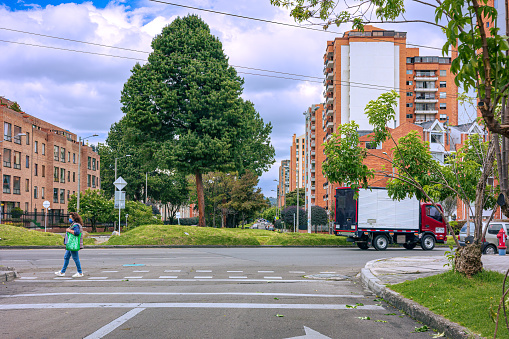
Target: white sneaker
60, 274
77, 275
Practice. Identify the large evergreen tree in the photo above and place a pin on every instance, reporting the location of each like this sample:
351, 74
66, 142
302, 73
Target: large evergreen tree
183, 107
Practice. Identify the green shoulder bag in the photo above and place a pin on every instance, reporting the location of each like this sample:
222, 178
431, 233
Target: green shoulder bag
73, 242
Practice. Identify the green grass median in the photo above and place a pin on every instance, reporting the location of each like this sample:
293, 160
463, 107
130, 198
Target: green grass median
460, 299
20, 236
206, 236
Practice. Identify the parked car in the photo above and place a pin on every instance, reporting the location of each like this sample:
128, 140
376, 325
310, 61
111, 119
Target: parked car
490, 243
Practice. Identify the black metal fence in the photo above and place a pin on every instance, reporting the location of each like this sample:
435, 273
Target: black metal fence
39, 220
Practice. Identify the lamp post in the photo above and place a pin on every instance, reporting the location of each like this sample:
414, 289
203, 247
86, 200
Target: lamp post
79, 170
127, 155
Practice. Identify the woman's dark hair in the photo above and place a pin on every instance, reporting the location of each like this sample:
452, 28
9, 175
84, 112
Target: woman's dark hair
76, 217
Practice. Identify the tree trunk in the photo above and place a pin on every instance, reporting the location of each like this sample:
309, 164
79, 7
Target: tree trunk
468, 259
201, 198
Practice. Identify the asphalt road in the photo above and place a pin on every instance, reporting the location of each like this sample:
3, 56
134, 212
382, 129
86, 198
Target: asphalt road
199, 293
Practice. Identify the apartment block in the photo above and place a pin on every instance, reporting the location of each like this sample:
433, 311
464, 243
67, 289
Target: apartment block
359, 66
297, 162
40, 161
283, 187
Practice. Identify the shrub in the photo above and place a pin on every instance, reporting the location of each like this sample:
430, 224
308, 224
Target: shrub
189, 221
16, 212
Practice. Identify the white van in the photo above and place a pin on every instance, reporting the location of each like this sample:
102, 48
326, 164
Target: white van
491, 241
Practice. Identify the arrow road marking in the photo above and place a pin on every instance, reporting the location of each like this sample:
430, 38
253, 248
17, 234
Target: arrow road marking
311, 334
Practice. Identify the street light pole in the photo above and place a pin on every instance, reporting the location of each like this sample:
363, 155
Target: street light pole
79, 171
127, 155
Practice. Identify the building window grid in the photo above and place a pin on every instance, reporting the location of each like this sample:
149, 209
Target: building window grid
16, 185
17, 160
55, 195
42, 192
56, 172
27, 185
7, 184
7, 131
35, 192
7, 157
17, 137
62, 196
43, 171
36, 146
43, 149
62, 175
27, 161
62, 154
36, 169
55, 153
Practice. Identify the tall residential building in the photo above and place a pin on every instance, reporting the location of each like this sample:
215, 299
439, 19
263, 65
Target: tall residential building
359, 66
40, 162
297, 162
283, 187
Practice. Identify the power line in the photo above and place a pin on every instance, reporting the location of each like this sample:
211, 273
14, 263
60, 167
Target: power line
286, 24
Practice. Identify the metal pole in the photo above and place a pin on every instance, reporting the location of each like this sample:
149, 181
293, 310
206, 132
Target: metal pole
115, 178
79, 177
146, 186
119, 214
294, 222
126, 220
297, 174
45, 219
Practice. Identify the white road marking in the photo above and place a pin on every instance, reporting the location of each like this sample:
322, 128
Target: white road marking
272, 277
297, 272
98, 278
327, 272
141, 271
168, 277
133, 277
114, 324
28, 278
191, 280
234, 271
59, 279
192, 305
203, 271
311, 334
265, 271
259, 294
204, 277
110, 271
232, 277
171, 271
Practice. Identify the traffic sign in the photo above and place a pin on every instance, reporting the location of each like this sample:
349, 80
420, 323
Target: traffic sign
46, 204
120, 183
119, 199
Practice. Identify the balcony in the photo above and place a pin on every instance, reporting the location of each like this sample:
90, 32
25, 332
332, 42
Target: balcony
329, 88
425, 78
313, 187
426, 112
330, 76
424, 101
435, 89
313, 127
330, 112
330, 124
313, 119
312, 170
312, 196
313, 161
330, 64
312, 152
329, 100
312, 144
313, 179
312, 136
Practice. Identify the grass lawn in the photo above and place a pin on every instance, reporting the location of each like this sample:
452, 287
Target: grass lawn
462, 300
176, 235
20, 236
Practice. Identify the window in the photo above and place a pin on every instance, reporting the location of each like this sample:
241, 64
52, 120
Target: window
26, 207
73, 176
74, 158
27, 161
16, 185
43, 149
88, 180
409, 83
68, 176
28, 138
296, 141
17, 160
424, 84
7, 131
494, 228
437, 138
68, 195
43, 171
42, 192
68, 156
55, 174
425, 107
432, 212
409, 71
55, 195
62, 196
297, 146
372, 145
443, 116
443, 84
35, 169
62, 175
36, 146
443, 73
55, 153
409, 104
409, 116
17, 138
27, 185
409, 94
62, 154
35, 192
89, 163
7, 157
93, 181
7, 183
443, 95
424, 95
443, 105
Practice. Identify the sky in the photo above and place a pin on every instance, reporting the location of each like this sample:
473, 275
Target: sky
77, 86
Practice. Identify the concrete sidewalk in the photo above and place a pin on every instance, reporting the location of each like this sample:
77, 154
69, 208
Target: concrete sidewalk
378, 273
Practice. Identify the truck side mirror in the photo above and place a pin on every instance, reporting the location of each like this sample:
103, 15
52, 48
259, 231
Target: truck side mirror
501, 199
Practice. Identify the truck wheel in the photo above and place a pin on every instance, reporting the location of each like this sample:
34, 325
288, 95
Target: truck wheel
409, 246
428, 242
490, 249
362, 245
380, 242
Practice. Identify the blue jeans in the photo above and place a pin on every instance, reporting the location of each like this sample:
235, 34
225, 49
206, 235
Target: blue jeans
76, 259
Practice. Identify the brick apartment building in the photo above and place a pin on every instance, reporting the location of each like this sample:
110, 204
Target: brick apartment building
297, 162
283, 187
39, 162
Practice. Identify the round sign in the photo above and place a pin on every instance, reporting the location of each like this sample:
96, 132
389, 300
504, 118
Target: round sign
45, 204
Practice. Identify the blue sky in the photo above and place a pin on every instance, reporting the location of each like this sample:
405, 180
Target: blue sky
81, 92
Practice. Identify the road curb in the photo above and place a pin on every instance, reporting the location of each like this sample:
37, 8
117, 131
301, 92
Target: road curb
8, 274
175, 246
413, 309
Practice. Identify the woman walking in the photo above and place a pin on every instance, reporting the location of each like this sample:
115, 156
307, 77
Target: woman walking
76, 228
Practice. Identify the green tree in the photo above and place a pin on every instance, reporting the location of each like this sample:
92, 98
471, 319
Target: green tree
183, 108
15, 107
291, 198
270, 213
318, 216
170, 189
93, 206
416, 173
